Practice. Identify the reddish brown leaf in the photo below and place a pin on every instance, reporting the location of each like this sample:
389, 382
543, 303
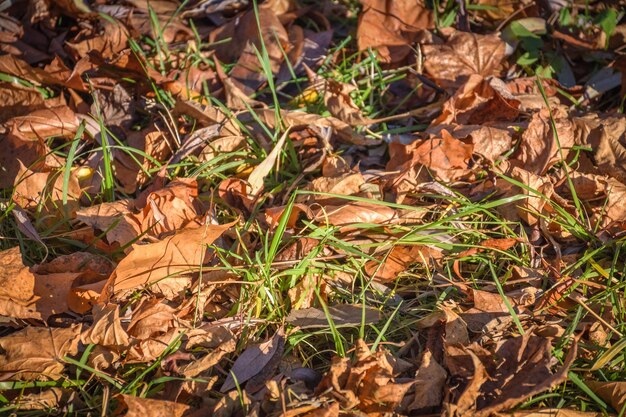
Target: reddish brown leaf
391, 27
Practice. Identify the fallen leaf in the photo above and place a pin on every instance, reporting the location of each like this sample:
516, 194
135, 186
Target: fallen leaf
45, 123
462, 55
479, 101
429, 382
398, 260
171, 208
367, 384
391, 27
147, 407
613, 392
106, 329
341, 315
539, 148
441, 156
36, 353
522, 369
254, 360
182, 252
116, 219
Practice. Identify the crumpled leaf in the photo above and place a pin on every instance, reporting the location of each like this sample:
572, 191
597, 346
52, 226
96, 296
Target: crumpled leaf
171, 208
479, 101
116, 218
430, 379
367, 383
399, 258
441, 156
106, 329
522, 368
36, 353
539, 149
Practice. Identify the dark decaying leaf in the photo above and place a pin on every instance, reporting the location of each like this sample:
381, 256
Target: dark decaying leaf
256, 361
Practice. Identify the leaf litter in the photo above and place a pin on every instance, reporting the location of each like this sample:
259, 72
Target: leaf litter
312, 208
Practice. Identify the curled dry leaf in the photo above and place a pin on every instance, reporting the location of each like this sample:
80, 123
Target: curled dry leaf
36, 353
399, 258
391, 27
367, 384
539, 148
45, 123
171, 208
613, 392
46, 190
182, 252
429, 382
106, 330
604, 134
462, 55
444, 157
479, 101
354, 212
152, 317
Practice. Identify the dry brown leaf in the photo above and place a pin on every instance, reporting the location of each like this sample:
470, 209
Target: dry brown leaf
146, 407
391, 27
52, 398
341, 315
108, 37
614, 392
106, 329
116, 218
131, 169
605, 135
429, 382
36, 353
399, 258
479, 101
462, 55
255, 362
522, 369
367, 384
45, 189
25, 294
182, 252
535, 203
489, 142
354, 212
539, 149
247, 74
346, 184
258, 174
152, 317
45, 123
444, 157
171, 208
